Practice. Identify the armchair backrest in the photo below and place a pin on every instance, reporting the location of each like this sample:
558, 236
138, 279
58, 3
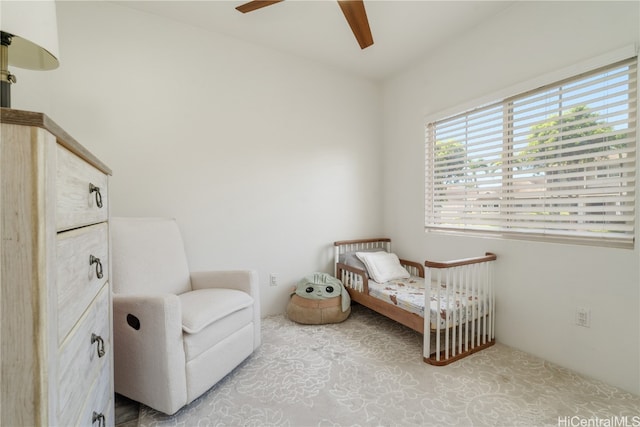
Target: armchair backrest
148, 257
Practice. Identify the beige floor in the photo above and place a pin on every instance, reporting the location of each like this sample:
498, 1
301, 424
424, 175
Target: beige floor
368, 371
127, 412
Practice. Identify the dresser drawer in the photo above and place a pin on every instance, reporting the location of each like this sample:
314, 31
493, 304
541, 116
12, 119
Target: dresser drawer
81, 192
98, 410
85, 356
81, 271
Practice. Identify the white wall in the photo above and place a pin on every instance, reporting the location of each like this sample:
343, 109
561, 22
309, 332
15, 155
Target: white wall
250, 149
539, 286
253, 150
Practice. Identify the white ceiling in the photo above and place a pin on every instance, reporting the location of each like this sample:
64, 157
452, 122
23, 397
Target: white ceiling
403, 31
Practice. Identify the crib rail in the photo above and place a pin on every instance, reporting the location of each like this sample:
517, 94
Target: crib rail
354, 278
461, 298
345, 246
357, 284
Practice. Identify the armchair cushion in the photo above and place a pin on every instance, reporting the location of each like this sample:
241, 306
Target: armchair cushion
214, 334
148, 257
241, 280
205, 306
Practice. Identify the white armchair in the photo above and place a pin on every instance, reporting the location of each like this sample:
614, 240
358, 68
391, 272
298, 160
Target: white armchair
176, 333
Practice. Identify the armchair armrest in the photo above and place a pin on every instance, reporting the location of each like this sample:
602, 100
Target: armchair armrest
148, 340
241, 280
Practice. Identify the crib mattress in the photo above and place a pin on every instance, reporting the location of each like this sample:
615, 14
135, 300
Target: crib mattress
408, 294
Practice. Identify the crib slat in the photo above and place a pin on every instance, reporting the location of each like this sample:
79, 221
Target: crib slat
485, 310
475, 325
438, 294
464, 273
449, 303
454, 312
493, 309
467, 309
426, 336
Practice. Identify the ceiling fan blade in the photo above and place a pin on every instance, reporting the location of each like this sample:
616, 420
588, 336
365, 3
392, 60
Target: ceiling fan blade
356, 16
256, 4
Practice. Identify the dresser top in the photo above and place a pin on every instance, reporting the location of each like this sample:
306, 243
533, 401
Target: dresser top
29, 118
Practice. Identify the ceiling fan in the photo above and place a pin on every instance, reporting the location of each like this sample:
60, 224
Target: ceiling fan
353, 11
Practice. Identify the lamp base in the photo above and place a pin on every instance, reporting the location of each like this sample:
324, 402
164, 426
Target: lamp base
5, 75
5, 94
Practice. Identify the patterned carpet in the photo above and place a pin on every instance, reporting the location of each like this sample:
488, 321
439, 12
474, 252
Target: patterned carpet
369, 371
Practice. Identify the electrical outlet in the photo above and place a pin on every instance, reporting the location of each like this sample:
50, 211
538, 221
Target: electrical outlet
273, 280
583, 317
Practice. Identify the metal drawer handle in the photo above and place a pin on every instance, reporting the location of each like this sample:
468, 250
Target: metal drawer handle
100, 346
98, 263
98, 417
92, 189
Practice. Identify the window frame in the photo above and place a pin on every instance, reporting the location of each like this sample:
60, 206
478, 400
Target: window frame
506, 104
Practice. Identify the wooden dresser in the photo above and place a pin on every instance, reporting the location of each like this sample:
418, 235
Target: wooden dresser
55, 296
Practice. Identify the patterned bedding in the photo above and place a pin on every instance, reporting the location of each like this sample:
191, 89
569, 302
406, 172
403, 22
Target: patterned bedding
408, 294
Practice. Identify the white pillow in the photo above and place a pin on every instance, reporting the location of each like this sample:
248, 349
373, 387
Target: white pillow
383, 266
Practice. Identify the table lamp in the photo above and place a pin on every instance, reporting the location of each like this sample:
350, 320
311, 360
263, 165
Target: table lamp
29, 35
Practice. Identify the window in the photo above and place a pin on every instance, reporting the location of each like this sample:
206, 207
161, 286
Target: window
555, 163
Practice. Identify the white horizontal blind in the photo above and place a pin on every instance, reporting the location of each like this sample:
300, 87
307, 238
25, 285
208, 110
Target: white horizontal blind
556, 162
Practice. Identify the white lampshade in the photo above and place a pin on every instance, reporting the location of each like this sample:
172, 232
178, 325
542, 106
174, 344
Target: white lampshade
33, 24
